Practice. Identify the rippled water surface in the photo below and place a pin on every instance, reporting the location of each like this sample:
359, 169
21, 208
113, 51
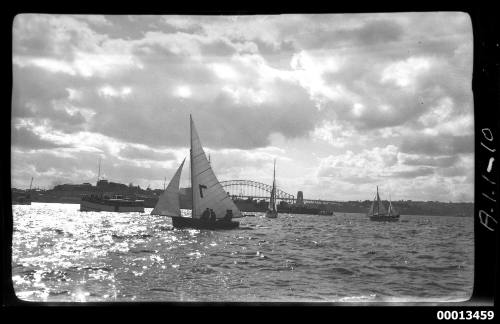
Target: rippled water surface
62, 254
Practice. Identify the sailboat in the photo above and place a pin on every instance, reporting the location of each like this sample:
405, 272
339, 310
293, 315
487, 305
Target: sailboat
391, 210
208, 195
272, 212
378, 212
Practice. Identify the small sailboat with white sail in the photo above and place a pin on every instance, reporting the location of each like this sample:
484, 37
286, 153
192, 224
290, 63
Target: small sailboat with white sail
391, 210
212, 208
378, 211
272, 211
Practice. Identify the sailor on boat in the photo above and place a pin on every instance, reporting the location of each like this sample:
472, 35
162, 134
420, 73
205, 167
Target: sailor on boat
206, 215
229, 215
213, 218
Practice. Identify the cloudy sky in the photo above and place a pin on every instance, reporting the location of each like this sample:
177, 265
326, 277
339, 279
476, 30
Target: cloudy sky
344, 102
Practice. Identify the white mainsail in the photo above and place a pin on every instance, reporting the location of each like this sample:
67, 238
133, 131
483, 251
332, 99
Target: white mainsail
379, 208
206, 190
272, 200
370, 212
168, 203
392, 210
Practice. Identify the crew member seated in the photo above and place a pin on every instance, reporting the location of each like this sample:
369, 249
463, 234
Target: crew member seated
206, 215
229, 215
213, 218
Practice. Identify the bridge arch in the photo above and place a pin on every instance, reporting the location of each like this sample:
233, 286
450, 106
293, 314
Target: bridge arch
249, 188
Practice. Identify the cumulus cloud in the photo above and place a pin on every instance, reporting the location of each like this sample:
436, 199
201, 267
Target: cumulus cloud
25, 138
132, 152
350, 99
438, 144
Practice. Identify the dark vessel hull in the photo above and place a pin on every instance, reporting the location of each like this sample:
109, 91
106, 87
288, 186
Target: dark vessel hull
271, 214
385, 218
111, 205
299, 210
21, 202
18, 199
188, 222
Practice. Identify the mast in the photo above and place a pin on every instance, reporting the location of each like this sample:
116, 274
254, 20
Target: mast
274, 186
378, 203
99, 170
390, 206
274, 172
191, 162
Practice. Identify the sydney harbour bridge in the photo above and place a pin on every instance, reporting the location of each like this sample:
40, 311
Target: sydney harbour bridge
245, 189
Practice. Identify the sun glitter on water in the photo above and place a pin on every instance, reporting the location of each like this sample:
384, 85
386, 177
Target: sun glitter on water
80, 295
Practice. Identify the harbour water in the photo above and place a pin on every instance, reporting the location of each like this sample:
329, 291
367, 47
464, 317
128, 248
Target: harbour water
62, 254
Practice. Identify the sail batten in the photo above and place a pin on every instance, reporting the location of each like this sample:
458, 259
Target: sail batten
168, 203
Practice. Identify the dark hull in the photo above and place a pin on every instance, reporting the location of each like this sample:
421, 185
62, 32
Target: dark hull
21, 199
271, 214
18, 202
385, 218
188, 222
111, 205
305, 210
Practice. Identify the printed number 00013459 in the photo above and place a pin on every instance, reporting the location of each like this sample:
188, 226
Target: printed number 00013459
465, 315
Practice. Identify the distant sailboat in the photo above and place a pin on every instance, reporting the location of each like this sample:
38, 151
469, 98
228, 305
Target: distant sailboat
208, 195
272, 212
391, 210
378, 212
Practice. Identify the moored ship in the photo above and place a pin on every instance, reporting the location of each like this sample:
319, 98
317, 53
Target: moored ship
114, 204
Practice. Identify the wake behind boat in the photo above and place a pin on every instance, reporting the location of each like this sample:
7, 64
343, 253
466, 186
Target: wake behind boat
212, 208
378, 212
